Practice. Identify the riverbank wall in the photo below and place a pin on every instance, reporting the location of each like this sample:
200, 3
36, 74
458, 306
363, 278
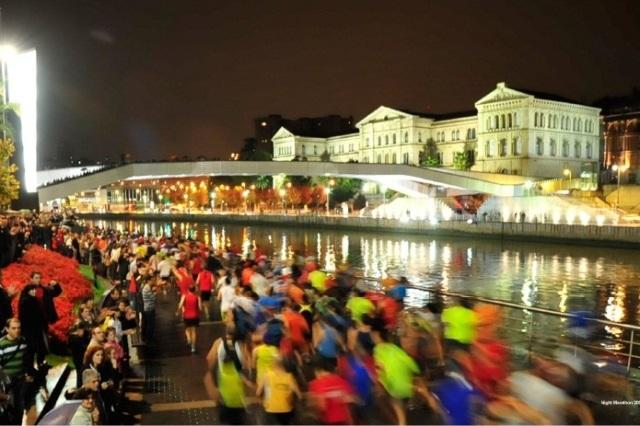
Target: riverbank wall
593, 235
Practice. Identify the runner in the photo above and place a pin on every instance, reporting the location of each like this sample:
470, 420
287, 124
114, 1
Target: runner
190, 305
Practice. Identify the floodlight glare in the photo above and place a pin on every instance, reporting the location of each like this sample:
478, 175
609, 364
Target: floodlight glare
22, 82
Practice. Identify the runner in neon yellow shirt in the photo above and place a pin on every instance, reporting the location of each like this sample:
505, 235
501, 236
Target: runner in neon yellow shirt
360, 306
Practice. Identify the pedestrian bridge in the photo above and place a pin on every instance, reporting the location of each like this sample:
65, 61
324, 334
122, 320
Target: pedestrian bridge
409, 180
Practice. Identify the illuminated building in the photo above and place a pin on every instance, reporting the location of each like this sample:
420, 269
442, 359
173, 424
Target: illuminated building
510, 132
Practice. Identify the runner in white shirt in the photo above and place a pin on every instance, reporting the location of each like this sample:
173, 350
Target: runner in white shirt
226, 296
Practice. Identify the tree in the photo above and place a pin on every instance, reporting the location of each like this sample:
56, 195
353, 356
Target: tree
461, 161
325, 156
264, 182
429, 155
251, 152
9, 183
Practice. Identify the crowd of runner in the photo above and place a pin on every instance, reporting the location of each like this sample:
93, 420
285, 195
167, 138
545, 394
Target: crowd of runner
309, 346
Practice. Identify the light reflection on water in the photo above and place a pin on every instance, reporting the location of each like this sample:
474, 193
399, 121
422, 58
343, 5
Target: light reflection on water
563, 278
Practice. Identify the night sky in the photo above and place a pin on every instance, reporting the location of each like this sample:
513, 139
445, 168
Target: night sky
156, 78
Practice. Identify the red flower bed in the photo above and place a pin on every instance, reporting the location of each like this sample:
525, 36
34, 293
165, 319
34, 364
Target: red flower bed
52, 266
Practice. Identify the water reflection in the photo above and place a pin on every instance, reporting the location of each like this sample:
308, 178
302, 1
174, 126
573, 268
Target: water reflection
564, 278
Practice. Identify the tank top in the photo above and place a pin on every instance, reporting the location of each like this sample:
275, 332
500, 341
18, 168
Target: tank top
206, 280
229, 379
191, 310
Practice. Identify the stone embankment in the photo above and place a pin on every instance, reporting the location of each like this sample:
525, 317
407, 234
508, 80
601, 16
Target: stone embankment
611, 236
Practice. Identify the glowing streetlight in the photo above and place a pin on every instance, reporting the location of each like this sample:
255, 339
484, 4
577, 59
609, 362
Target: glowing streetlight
282, 193
619, 169
567, 172
245, 194
213, 199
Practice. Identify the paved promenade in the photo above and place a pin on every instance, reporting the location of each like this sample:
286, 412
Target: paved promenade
174, 392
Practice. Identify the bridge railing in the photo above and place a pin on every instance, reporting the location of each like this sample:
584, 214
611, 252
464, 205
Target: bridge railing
541, 330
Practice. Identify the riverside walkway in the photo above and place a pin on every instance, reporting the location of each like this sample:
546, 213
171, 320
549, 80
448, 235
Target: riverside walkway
174, 392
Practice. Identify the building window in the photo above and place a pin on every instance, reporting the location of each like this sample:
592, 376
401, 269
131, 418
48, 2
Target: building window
394, 138
516, 149
379, 141
488, 123
502, 121
386, 139
386, 158
304, 150
487, 149
539, 146
589, 150
541, 120
367, 142
496, 122
503, 148
379, 158
535, 120
405, 158
420, 137
575, 124
515, 120
315, 150
394, 159
406, 137
577, 149
510, 121
565, 148
553, 148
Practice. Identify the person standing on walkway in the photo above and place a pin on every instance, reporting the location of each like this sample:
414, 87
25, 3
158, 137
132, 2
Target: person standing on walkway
14, 363
36, 312
148, 310
6, 294
190, 305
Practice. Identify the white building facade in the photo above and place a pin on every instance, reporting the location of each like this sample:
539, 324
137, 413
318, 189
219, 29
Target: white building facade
512, 132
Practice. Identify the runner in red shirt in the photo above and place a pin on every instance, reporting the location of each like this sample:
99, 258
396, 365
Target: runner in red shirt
297, 327
190, 305
183, 278
332, 395
205, 284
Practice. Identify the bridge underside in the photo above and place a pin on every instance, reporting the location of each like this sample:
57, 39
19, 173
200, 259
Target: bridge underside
409, 180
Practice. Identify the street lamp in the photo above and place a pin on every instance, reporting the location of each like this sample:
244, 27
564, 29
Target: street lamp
213, 200
245, 194
619, 169
567, 172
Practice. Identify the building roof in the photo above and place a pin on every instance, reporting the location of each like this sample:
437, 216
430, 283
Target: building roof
547, 96
614, 105
435, 116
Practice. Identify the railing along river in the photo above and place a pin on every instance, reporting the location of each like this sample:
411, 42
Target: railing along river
541, 330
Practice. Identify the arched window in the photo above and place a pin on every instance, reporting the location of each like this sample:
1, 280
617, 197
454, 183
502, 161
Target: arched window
405, 158
488, 123
367, 142
535, 120
577, 149
304, 150
386, 158
487, 149
565, 148
579, 124
541, 120
379, 141
553, 148
406, 137
503, 147
516, 123
394, 160
502, 121
394, 138
496, 122
539, 146
453, 135
386, 139
473, 133
575, 122
589, 150
379, 158
510, 121
315, 150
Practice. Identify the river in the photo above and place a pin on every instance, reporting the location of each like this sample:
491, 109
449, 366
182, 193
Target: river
560, 277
